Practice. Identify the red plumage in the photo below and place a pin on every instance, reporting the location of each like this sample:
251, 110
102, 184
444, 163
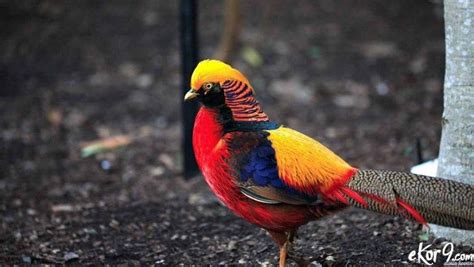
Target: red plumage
212, 155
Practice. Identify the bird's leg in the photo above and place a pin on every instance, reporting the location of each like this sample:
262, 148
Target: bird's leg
284, 241
283, 254
281, 238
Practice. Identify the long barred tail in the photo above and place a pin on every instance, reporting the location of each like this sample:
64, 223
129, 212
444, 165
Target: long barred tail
423, 198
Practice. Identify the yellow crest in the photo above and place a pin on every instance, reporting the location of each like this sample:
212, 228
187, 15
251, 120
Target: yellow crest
215, 71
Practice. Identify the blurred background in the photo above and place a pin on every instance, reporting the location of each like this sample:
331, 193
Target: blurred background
363, 77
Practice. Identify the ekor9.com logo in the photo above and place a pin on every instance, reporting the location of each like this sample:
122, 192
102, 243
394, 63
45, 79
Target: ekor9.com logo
428, 256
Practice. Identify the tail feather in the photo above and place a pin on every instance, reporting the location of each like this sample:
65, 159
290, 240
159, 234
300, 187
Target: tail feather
423, 198
446, 219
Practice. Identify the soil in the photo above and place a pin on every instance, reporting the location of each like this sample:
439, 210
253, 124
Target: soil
363, 77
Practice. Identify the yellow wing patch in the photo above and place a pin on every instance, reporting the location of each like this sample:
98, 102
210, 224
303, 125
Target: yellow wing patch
307, 165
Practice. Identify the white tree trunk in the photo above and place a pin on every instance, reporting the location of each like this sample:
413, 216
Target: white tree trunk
456, 155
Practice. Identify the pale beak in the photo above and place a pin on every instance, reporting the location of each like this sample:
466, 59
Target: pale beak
191, 94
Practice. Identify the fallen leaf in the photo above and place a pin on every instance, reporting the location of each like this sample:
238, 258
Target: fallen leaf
105, 145
252, 56
129, 70
62, 208
55, 117
330, 258
424, 236
26, 259
167, 160
377, 50
70, 256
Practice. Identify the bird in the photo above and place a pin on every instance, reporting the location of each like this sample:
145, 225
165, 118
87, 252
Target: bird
280, 179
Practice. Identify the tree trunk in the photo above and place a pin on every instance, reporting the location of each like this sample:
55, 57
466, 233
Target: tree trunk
456, 156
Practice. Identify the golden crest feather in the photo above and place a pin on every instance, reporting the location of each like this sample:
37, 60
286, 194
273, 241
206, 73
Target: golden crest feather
211, 70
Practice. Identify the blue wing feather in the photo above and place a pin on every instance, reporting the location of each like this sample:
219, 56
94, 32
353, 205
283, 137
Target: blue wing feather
260, 167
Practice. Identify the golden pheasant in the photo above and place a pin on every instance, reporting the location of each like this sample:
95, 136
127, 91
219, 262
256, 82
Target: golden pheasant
279, 179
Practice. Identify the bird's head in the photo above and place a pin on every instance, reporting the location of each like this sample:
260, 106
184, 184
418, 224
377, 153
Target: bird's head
210, 80
218, 85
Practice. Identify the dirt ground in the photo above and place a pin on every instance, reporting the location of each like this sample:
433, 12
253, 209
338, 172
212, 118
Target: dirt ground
363, 77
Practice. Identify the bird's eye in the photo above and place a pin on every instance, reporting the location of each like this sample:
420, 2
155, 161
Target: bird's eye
208, 86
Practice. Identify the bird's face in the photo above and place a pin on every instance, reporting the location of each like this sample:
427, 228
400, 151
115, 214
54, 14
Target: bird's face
207, 82
209, 94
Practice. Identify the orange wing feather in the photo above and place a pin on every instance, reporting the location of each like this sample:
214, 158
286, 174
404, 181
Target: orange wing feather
307, 165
